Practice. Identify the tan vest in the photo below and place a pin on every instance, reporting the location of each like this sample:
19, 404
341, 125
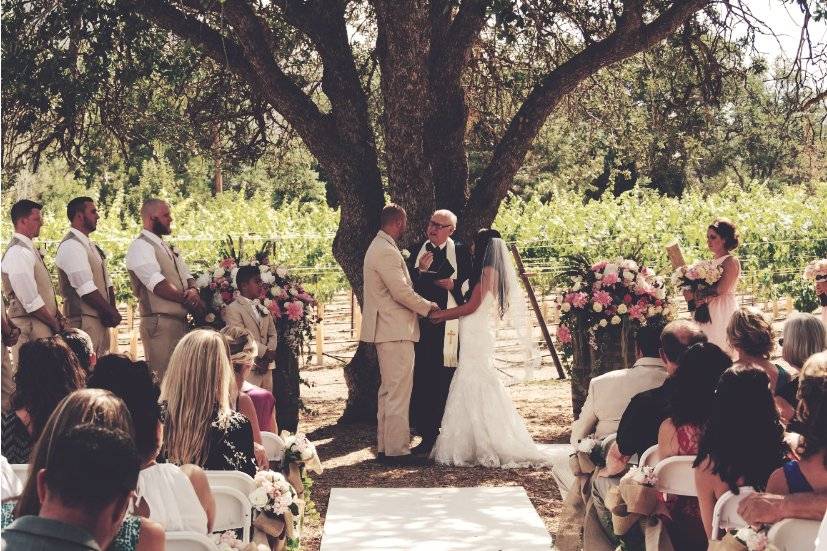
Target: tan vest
149, 303
41, 278
73, 305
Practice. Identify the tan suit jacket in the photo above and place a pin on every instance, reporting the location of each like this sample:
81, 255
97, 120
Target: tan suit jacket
610, 394
390, 303
239, 313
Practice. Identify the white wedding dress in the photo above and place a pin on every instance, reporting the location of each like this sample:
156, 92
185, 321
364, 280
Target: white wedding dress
481, 426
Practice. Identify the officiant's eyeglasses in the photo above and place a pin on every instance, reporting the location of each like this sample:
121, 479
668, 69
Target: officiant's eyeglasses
433, 224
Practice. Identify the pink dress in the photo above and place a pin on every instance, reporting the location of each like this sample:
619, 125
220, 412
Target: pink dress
721, 308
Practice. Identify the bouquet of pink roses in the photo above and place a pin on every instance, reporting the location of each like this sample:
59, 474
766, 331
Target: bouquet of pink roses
698, 278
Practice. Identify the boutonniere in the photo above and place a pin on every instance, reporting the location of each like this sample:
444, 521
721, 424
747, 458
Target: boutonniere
260, 308
406, 254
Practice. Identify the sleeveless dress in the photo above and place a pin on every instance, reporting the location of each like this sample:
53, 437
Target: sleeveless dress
685, 527
264, 402
481, 426
171, 499
125, 540
796, 481
721, 308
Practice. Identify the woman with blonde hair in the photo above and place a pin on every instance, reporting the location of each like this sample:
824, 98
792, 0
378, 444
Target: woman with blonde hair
804, 335
751, 337
87, 406
200, 427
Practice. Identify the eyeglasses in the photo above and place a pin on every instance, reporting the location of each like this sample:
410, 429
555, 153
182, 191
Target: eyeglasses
432, 224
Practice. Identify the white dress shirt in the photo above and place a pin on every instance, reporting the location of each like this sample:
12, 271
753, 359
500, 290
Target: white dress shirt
72, 258
18, 264
140, 259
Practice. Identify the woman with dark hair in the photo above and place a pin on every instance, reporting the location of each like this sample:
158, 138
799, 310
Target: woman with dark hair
47, 372
743, 441
179, 498
690, 404
721, 239
810, 473
481, 426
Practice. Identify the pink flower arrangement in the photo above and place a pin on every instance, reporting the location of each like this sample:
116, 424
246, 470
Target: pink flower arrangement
563, 334
294, 310
610, 279
602, 297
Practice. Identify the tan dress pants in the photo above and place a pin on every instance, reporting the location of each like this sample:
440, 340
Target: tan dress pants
160, 335
96, 330
396, 365
31, 329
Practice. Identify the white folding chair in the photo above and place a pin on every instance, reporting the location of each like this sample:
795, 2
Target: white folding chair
273, 444
22, 472
676, 475
189, 541
232, 479
608, 440
725, 514
650, 457
232, 510
794, 534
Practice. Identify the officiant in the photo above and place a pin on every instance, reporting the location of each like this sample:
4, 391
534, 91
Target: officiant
440, 268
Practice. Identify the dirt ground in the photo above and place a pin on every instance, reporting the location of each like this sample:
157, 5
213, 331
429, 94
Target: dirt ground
347, 451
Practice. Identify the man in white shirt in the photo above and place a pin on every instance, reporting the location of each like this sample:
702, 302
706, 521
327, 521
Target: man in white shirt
88, 294
163, 285
610, 393
27, 286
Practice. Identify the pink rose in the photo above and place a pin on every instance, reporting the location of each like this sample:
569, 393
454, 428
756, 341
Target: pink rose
610, 279
579, 300
602, 297
294, 310
627, 298
563, 334
273, 306
599, 266
637, 311
304, 297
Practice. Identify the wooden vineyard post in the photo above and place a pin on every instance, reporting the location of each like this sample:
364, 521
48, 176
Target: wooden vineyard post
320, 335
540, 319
133, 345
113, 340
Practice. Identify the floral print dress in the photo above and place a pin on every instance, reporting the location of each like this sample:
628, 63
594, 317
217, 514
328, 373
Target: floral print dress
230, 444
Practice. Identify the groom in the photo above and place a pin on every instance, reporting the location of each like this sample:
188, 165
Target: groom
440, 268
389, 320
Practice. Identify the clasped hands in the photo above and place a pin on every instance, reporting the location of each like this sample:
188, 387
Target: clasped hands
192, 300
436, 315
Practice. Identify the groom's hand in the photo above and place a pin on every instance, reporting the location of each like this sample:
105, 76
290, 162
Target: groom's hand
447, 283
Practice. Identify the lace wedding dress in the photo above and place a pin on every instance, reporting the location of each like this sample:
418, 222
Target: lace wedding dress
481, 426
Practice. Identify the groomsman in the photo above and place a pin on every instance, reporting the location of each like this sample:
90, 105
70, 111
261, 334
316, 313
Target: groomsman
440, 268
88, 295
389, 321
248, 312
27, 286
163, 285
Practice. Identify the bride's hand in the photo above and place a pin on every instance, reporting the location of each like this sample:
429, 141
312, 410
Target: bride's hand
437, 316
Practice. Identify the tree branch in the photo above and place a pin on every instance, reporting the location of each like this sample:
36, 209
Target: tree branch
629, 38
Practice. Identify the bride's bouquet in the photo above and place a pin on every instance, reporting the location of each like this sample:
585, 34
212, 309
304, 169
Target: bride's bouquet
817, 271
698, 278
609, 292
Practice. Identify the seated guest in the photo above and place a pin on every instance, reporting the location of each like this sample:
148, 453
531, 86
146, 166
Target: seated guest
81, 344
200, 427
610, 393
47, 372
751, 336
804, 335
810, 473
85, 488
87, 406
247, 398
640, 423
743, 441
179, 498
689, 406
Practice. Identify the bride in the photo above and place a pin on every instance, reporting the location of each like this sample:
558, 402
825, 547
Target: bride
481, 426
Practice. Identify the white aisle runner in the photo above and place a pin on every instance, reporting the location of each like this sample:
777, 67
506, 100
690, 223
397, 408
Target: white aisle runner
432, 519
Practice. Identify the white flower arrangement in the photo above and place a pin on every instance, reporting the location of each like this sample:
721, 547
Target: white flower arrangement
298, 448
226, 541
586, 445
645, 476
755, 540
273, 494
